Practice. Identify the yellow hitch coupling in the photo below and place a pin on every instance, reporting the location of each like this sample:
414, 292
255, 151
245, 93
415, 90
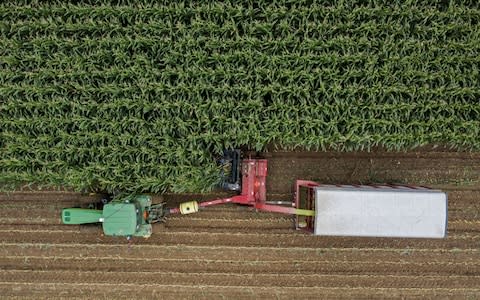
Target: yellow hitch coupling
188, 207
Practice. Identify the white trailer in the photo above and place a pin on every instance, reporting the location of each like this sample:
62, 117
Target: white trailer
372, 210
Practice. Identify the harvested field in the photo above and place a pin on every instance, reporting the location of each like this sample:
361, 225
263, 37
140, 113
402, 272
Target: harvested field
233, 252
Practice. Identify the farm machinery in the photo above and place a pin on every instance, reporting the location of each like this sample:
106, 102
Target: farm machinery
320, 209
131, 215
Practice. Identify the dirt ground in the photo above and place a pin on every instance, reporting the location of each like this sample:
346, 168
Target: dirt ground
233, 252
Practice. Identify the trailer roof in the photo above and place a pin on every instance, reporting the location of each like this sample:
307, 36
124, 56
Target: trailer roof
377, 187
389, 212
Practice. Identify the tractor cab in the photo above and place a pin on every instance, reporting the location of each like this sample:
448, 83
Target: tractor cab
120, 219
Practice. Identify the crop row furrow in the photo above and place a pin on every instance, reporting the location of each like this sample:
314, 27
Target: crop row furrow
285, 280
334, 267
175, 291
454, 240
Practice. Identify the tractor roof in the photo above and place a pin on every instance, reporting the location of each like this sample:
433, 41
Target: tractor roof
119, 219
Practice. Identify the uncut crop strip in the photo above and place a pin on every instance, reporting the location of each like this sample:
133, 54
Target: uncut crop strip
142, 97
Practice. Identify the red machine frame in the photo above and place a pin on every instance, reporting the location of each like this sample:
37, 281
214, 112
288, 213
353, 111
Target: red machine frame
305, 223
254, 191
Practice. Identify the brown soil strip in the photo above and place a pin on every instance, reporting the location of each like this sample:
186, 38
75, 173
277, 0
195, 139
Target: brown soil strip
149, 290
253, 279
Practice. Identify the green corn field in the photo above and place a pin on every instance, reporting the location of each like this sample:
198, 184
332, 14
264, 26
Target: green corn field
129, 95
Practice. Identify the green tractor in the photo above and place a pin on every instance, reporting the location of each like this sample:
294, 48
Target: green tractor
127, 216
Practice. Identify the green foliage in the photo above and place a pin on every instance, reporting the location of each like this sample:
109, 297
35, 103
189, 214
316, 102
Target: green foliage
140, 97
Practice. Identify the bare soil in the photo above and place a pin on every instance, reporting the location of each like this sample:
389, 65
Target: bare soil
234, 252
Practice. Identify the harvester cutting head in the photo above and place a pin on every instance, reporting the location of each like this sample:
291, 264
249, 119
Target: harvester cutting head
247, 176
230, 170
